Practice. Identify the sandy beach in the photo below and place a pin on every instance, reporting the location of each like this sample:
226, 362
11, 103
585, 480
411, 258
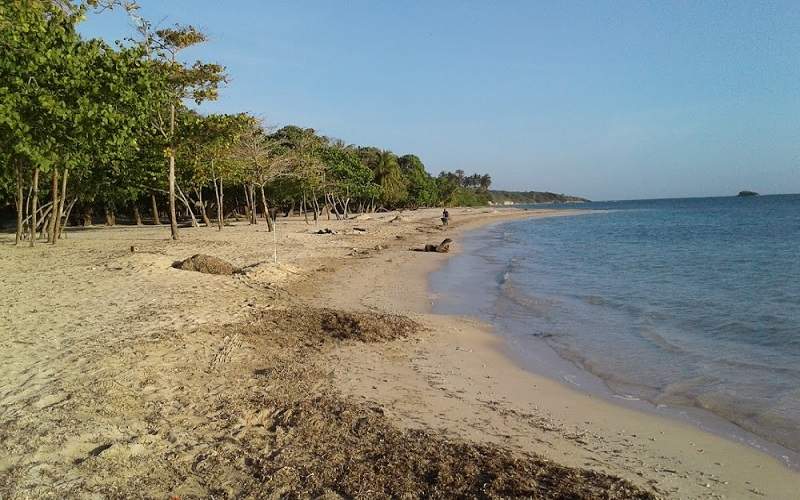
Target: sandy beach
126, 377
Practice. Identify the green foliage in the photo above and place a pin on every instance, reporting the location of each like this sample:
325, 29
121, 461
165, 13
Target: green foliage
68, 102
111, 115
422, 189
207, 144
457, 189
386, 170
346, 175
523, 197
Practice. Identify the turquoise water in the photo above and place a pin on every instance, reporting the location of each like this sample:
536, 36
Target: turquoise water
683, 303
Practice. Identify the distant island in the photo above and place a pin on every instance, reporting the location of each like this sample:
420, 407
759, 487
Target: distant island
747, 193
526, 197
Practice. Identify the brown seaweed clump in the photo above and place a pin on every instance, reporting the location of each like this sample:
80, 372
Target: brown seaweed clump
320, 325
206, 264
340, 449
321, 444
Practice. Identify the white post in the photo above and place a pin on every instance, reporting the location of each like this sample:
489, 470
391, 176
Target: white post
274, 238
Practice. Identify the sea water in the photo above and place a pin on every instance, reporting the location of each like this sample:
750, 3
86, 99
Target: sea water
681, 302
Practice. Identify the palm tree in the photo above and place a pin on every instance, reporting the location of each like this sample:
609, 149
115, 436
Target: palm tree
387, 173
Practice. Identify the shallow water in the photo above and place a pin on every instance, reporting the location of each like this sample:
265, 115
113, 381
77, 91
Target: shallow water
683, 303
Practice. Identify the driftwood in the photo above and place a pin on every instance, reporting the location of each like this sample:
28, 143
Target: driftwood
442, 247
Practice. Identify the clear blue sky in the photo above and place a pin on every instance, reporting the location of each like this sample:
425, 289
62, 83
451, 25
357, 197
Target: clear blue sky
609, 100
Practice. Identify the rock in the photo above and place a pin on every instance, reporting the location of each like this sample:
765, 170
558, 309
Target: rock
206, 264
442, 247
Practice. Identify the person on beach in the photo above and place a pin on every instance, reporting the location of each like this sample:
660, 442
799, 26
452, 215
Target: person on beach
445, 217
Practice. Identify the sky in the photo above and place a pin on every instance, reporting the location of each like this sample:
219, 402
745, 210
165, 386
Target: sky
607, 100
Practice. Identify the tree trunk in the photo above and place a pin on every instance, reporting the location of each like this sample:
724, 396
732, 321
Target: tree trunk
60, 210
267, 213
253, 205
203, 213
154, 209
137, 217
51, 227
218, 193
25, 223
332, 203
35, 184
45, 226
66, 218
247, 212
173, 219
304, 208
185, 201
87, 216
20, 202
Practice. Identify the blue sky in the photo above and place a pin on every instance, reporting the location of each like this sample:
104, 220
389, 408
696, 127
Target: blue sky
608, 100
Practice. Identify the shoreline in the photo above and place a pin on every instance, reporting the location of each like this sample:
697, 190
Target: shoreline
124, 374
656, 451
546, 361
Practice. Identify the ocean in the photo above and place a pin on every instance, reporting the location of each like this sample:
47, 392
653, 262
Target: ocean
682, 303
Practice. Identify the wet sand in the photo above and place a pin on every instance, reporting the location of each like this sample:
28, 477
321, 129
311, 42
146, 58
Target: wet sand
462, 379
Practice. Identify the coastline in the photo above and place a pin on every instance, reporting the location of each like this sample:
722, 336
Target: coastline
463, 380
539, 357
124, 374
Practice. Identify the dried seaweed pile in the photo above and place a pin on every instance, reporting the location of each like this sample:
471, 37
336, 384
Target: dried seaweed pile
317, 443
330, 446
321, 325
249, 411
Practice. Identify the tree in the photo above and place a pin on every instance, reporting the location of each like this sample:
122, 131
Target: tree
346, 178
303, 156
70, 104
422, 191
387, 173
264, 159
198, 82
456, 188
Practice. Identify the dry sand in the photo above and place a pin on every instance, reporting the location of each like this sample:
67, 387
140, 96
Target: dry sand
125, 377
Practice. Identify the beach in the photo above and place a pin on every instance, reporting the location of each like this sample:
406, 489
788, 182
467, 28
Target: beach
123, 375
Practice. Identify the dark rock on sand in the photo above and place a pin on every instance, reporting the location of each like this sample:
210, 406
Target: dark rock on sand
206, 264
442, 247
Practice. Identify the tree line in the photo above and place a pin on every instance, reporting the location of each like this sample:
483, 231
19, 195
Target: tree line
89, 127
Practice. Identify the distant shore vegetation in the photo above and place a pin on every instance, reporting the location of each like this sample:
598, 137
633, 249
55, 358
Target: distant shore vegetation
531, 197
